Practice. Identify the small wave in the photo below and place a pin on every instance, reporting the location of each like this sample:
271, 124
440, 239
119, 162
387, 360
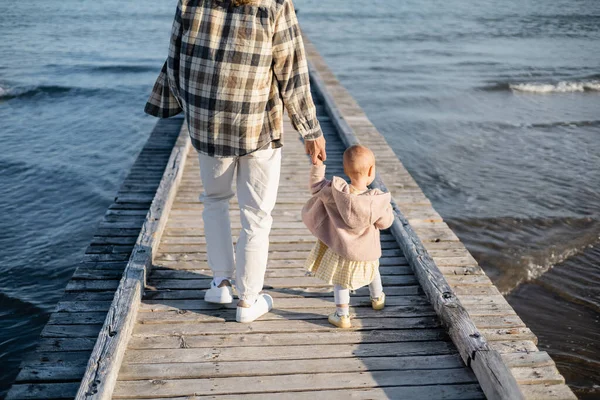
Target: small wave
152, 66
22, 92
124, 68
518, 250
30, 91
560, 87
571, 124
544, 88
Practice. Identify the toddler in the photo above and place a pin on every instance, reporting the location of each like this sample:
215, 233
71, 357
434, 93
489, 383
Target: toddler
346, 219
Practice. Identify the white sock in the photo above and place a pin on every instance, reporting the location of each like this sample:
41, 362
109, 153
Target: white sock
341, 296
375, 287
342, 311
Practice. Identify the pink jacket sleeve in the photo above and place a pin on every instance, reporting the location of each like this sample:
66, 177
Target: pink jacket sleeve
317, 179
387, 219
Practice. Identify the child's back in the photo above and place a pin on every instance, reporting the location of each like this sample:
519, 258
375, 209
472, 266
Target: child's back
346, 219
347, 222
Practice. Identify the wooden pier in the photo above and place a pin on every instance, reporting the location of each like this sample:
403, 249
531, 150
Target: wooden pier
132, 323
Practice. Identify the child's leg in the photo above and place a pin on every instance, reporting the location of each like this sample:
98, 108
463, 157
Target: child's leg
342, 300
376, 287
376, 291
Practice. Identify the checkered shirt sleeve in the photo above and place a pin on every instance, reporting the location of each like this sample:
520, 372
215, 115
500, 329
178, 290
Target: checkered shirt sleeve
291, 70
232, 67
163, 101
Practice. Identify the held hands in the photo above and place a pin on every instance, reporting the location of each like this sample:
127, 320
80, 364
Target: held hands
316, 149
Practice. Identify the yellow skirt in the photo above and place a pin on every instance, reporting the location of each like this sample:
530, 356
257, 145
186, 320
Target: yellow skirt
330, 267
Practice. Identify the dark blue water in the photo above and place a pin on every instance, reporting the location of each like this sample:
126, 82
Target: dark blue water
494, 107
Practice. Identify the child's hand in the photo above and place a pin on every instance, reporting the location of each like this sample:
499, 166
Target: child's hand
318, 161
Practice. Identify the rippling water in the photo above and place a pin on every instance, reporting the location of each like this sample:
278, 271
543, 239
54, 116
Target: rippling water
493, 107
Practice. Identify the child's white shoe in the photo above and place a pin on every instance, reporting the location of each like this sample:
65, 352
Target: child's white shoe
341, 321
378, 303
222, 294
248, 313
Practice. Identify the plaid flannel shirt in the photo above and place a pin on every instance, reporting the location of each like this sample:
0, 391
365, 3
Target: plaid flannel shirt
229, 69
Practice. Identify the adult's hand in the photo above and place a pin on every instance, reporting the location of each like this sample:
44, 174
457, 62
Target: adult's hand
316, 149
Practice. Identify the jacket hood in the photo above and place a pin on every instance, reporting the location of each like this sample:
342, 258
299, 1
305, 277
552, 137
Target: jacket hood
358, 211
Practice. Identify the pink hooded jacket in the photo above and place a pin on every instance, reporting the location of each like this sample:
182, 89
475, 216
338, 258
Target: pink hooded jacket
347, 223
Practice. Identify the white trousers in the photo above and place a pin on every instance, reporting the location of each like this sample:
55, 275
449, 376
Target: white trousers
257, 183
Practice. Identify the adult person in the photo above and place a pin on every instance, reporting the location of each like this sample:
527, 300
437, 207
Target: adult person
232, 67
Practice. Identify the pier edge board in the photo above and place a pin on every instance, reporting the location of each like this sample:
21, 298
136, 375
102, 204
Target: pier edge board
104, 364
495, 376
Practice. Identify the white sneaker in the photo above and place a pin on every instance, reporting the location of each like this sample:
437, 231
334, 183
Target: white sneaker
263, 305
222, 294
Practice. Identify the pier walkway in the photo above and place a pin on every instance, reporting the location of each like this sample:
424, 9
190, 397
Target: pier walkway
133, 323
182, 346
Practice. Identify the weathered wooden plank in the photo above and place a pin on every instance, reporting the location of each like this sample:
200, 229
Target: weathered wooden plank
272, 272
174, 264
513, 346
195, 369
45, 391
489, 309
70, 331
69, 344
533, 359
548, 392
37, 357
275, 246
278, 256
499, 334
273, 282
181, 294
218, 328
106, 257
449, 261
106, 295
224, 314
101, 265
477, 280
243, 385
48, 373
547, 375
91, 286
289, 303
468, 290
97, 274
461, 270
109, 249
289, 339
477, 299
315, 351
438, 392
82, 306
488, 321
77, 318
194, 238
